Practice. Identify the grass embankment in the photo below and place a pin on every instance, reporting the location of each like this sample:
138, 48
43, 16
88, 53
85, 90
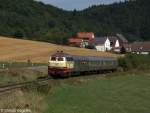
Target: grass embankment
13, 72
10, 64
128, 93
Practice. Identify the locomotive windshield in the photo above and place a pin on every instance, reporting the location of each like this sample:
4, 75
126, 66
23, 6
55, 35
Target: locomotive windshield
57, 59
53, 58
60, 59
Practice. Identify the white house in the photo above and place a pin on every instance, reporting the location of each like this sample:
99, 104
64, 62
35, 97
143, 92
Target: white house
117, 42
114, 42
102, 44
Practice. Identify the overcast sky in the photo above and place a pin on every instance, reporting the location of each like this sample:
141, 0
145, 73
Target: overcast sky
77, 4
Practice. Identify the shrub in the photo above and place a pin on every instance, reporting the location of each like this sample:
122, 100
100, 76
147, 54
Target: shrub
134, 61
90, 47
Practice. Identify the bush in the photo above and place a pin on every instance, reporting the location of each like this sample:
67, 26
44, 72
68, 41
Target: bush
122, 50
134, 61
90, 47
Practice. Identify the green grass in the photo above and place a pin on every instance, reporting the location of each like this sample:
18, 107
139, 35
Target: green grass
4, 65
12, 72
121, 94
17, 75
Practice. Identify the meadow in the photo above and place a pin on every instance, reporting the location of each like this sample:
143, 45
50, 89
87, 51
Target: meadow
16, 72
121, 92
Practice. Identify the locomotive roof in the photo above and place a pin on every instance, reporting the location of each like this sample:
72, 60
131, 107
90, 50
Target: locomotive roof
61, 54
77, 57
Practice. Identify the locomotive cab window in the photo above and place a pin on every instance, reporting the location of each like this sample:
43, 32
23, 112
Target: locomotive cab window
60, 59
53, 58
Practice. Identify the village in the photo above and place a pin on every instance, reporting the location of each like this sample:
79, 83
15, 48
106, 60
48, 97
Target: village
115, 44
75, 56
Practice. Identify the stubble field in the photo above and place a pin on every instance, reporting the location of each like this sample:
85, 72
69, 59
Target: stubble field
22, 50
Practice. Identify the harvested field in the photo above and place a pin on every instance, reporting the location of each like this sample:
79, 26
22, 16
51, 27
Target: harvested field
22, 50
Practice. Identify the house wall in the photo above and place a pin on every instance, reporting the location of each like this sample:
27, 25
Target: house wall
117, 50
117, 43
128, 49
84, 44
143, 53
107, 45
103, 47
100, 47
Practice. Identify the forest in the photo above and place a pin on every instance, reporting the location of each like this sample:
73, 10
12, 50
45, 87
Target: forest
29, 19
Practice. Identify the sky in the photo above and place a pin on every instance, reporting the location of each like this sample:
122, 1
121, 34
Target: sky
77, 4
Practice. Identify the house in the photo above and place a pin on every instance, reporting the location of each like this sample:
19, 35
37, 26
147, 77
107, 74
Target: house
85, 39
117, 42
86, 35
76, 42
82, 39
114, 42
127, 47
140, 48
122, 39
102, 44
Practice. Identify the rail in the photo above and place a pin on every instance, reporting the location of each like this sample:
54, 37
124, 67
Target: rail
7, 88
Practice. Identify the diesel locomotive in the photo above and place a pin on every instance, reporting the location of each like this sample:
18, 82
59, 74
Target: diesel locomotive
65, 65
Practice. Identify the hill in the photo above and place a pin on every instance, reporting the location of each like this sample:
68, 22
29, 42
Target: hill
29, 18
22, 50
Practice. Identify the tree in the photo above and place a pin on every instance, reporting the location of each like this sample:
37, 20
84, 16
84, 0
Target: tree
122, 50
18, 34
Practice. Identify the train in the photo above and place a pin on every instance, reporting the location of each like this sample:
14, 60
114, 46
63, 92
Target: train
65, 65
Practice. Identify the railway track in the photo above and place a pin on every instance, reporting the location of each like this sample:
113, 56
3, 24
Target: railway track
10, 87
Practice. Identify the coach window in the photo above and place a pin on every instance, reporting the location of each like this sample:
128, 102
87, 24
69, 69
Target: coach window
69, 59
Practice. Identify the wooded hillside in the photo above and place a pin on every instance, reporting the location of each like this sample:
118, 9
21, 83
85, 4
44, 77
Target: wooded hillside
37, 21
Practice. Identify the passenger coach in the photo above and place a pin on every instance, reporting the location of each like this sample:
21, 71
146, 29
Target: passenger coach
64, 65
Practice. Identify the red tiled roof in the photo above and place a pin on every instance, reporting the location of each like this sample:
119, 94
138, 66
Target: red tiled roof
85, 35
75, 40
140, 47
127, 45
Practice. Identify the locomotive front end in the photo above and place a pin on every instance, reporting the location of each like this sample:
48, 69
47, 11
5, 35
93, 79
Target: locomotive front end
58, 65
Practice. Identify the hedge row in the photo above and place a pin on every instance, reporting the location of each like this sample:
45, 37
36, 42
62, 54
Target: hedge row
134, 61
